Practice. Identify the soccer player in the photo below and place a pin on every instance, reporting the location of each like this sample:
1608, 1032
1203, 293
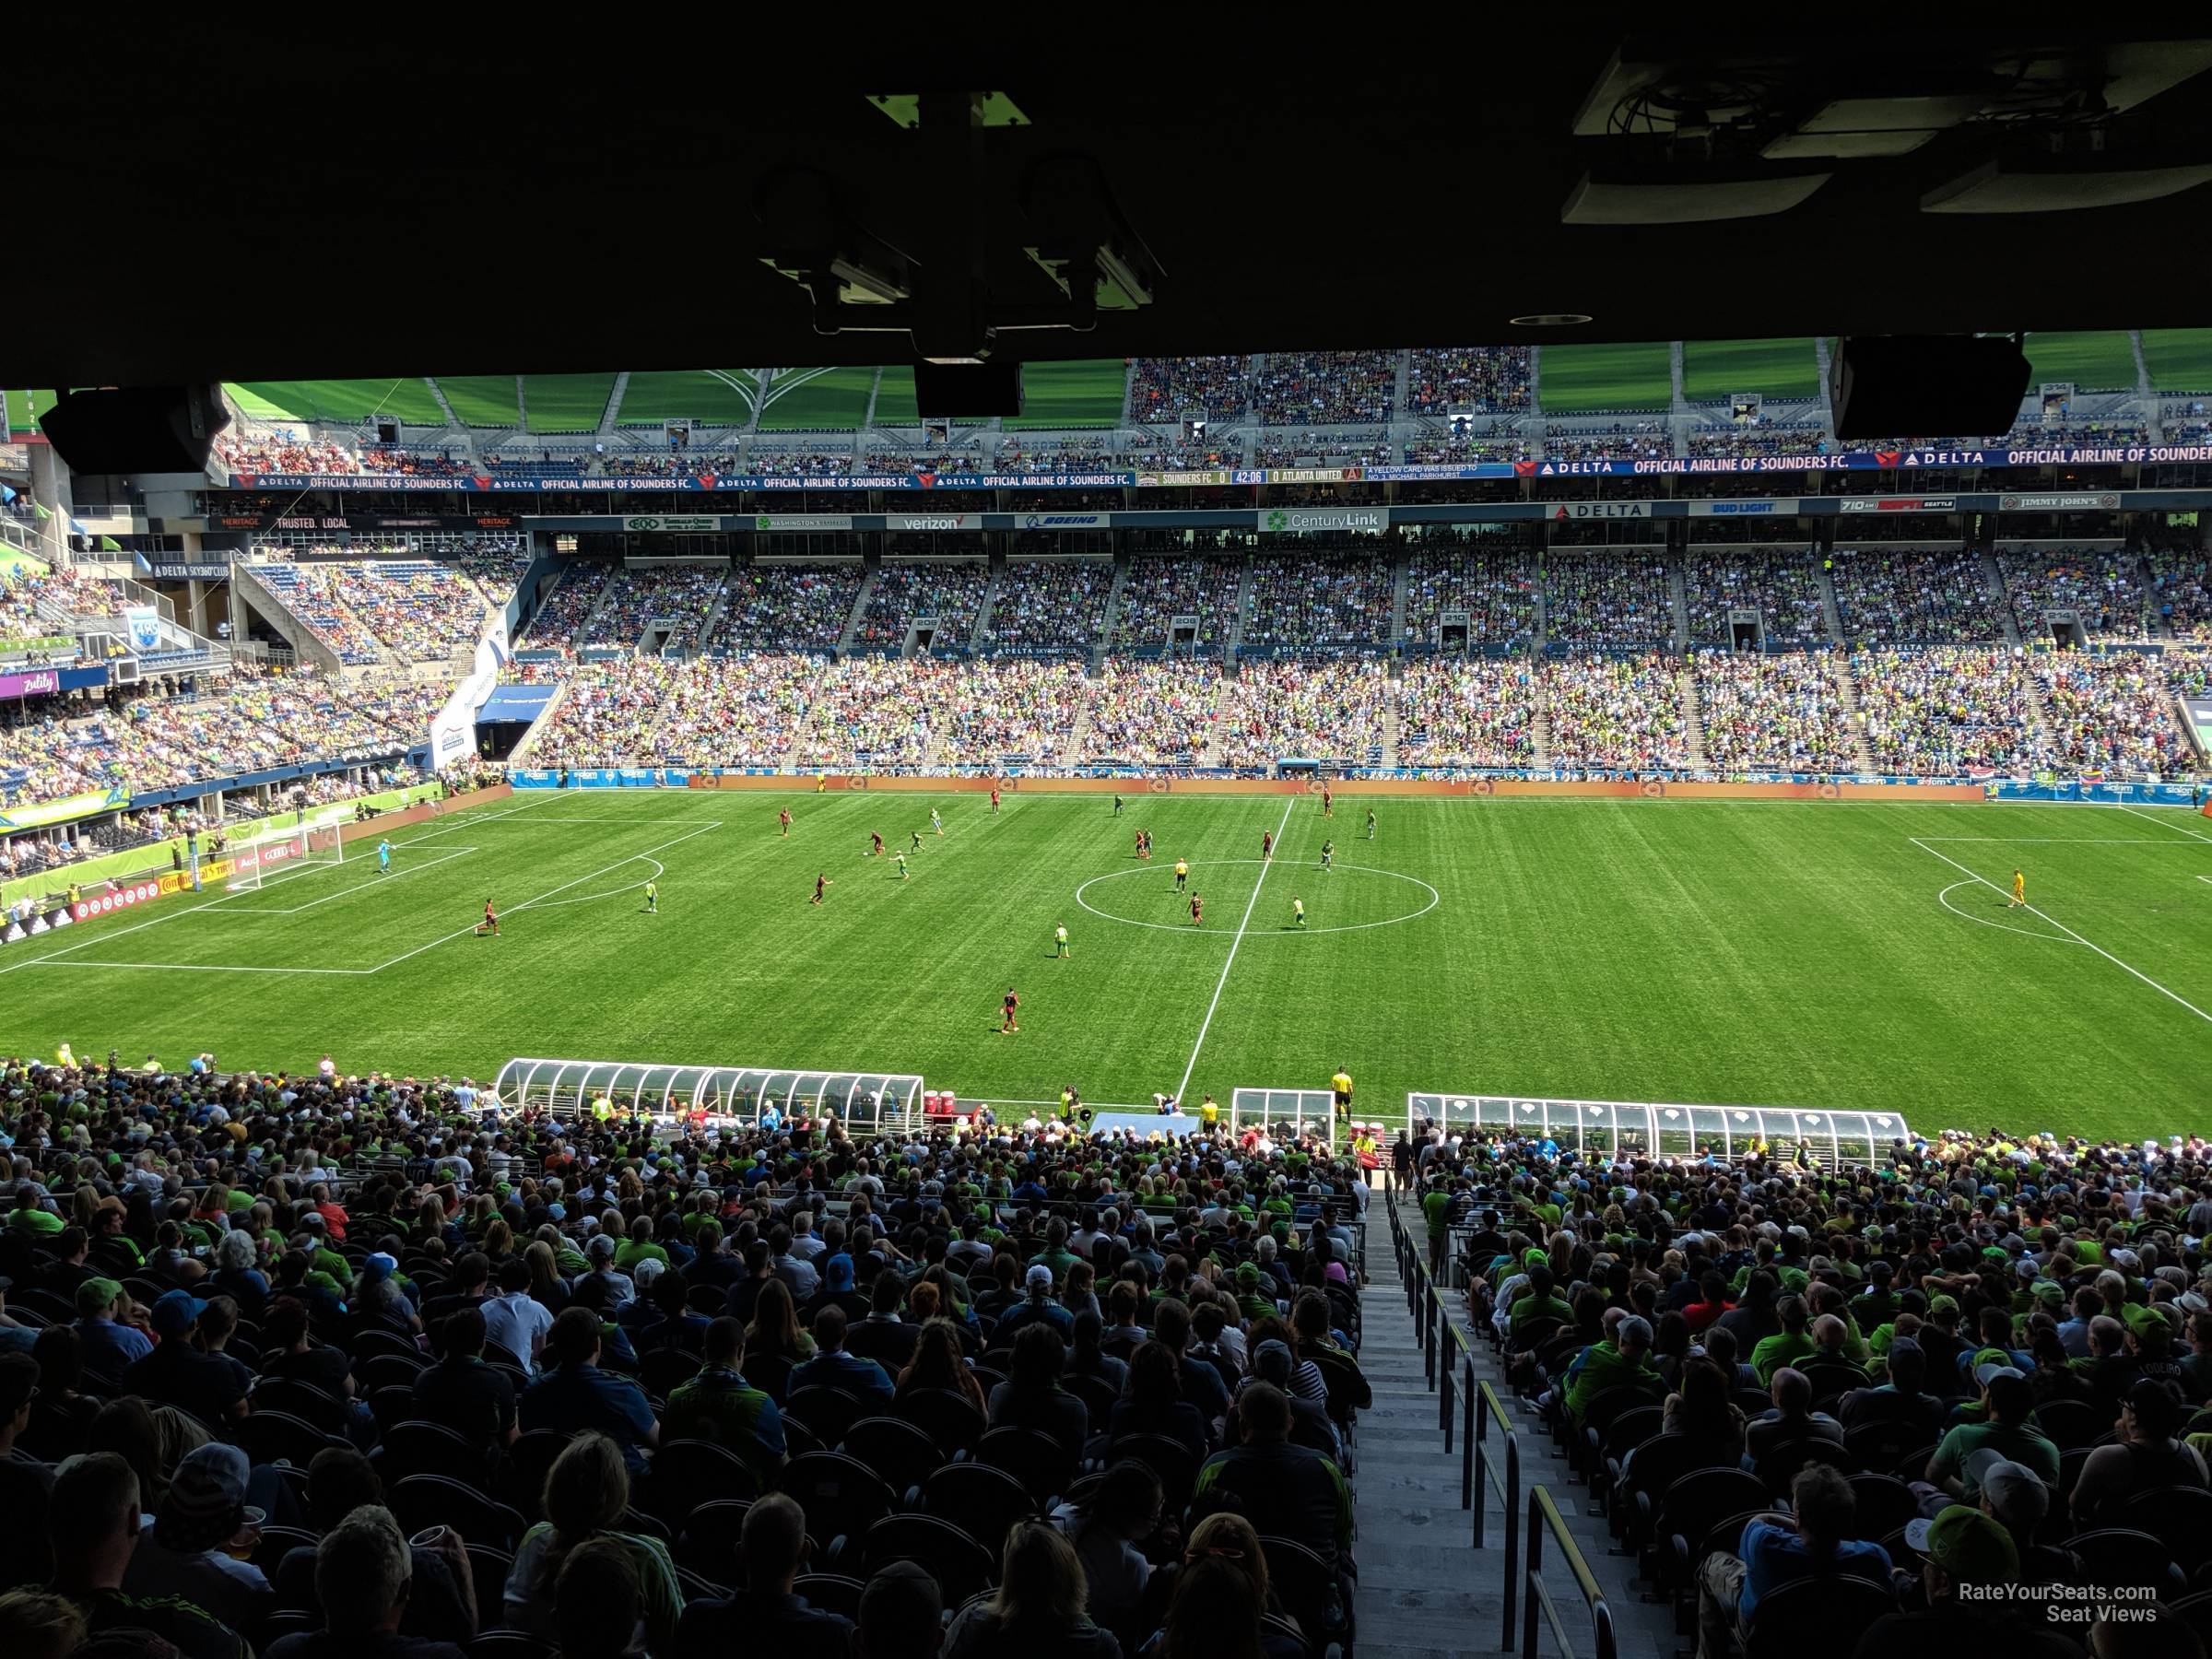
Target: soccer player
935, 823
903, 875
1008, 1004
1328, 802
1183, 877
994, 799
1297, 912
1371, 823
784, 819
1060, 950
821, 782
917, 835
875, 845
1266, 844
821, 886
1340, 1086
2019, 892
1197, 910
1117, 805
491, 925
1328, 853
383, 858
653, 898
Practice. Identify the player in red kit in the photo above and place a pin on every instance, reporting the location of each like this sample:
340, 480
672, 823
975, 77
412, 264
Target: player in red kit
1008, 1004
1328, 803
995, 797
1267, 843
821, 886
783, 818
1197, 910
491, 925
875, 845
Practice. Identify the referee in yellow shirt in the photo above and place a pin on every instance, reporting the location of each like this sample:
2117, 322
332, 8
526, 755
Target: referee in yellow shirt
1341, 1086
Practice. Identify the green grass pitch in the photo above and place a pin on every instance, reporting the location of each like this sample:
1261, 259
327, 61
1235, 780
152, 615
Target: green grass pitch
2179, 359
1628, 375
2099, 360
1837, 956
404, 395
1713, 369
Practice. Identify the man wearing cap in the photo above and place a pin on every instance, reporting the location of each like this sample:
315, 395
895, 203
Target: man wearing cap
94, 1524
1966, 1558
2017, 1499
211, 1387
203, 1515
1901, 1404
112, 1340
2008, 1403
1037, 1307
2146, 1454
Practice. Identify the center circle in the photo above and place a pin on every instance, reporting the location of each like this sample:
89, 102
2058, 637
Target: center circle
1158, 870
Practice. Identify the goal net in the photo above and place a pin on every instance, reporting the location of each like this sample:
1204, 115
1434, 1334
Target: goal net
289, 845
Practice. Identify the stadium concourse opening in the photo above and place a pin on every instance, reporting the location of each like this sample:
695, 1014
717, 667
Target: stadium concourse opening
1638, 1129
718, 1097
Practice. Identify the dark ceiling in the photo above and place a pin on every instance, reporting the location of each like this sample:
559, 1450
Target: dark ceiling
427, 195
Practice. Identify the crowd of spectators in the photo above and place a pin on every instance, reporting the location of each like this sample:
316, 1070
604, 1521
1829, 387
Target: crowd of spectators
2098, 585
1461, 712
1782, 587
1946, 709
1616, 713
1092, 452
678, 600
1620, 441
1325, 388
1018, 706
798, 607
1608, 602
606, 714
1496, 591
798, 463
1154, 713
35, 604
2181, 590
2089, 432
422, 611
2112, 713
1323, 707
284, 452
948, 459
729, 711
1782, 711
1369, 448
1446, 451
1912, 597
1050, 605
1485, 380
1208, 451
310, 592
1157, 590
1964, 1361
1165, 390
604, 1393
951, 591
884, 709
1307, 599
559, 623
1808, 437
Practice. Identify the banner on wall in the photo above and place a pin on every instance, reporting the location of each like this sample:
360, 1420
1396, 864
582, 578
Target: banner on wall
143, 624
1302, 520
42, 814
802, 521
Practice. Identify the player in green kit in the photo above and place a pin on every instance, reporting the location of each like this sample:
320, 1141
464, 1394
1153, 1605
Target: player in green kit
1060, 947
903, 873
653, 898
1328, 854
1297, 912
1371, 823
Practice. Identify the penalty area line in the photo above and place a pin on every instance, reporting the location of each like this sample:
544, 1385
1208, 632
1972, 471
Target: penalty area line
2070, 934
2162, 823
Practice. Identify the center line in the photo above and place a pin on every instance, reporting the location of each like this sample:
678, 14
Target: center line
1249, 904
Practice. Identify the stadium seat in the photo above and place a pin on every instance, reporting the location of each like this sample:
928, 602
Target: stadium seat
2119, 1557
422, 1500
2181, 1517
268, 1437
832, 1591
953, 1425
828, 1411
418, 1448
1819, 1617
1883, 1504
2071, 1423
688, 1473
896, 1450
984, 1501
707, 1543
1042, 1465
962, 1566
840, 1496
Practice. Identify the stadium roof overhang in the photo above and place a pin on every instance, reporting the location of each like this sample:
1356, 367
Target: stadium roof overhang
194, 205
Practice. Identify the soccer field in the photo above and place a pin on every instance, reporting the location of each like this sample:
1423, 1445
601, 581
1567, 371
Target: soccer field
1834, 956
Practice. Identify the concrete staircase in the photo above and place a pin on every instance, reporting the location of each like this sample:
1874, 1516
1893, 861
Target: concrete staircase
1831, 614
1693, 721
1401, 588
1678, 590
451, 419
981, 631
2144, 389
1236, 632
860, 609
1425, 1591
1999, 600
1847, 693
614, 404
1680, 420
1111, 620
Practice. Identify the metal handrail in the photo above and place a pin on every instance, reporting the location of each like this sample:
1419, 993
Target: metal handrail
1544, 1516
1501, 1476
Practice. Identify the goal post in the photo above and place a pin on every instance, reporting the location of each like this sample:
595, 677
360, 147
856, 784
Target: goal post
292, 843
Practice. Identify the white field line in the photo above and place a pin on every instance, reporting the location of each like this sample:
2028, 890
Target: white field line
2059, 841
1249, 904
549, 892
444, 856
2070, 934
2138, 812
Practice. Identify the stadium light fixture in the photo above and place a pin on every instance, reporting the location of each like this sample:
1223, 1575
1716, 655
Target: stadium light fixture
1549, 319
2060, 184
